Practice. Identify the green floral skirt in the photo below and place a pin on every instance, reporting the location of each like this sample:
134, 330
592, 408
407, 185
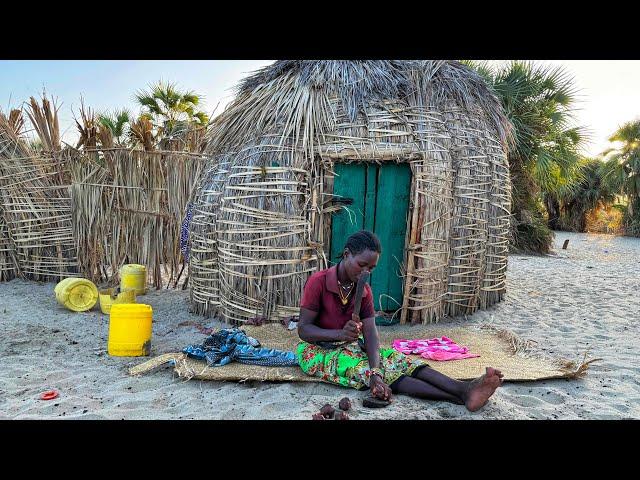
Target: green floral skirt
349, 365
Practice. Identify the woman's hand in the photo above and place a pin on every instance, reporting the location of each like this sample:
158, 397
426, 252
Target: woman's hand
379, 389
353, 328
350, 331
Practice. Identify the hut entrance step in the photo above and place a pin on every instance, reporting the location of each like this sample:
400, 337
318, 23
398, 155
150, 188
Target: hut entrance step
376, 198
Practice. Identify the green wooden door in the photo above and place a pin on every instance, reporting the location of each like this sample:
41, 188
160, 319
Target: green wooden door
379, 202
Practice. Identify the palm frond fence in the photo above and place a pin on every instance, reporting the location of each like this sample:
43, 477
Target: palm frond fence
85, 212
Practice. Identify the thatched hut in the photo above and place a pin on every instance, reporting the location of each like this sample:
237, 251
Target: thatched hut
311, 151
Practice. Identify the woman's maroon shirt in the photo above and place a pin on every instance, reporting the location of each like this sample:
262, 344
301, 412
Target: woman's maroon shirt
321, 295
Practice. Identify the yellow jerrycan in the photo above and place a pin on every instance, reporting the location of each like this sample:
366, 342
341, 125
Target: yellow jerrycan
133, 276
130, 330
76, 294
108, 299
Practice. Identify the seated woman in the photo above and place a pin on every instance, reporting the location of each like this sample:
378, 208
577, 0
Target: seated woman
326, 315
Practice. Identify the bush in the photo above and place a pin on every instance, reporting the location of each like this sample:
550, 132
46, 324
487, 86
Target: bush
531, 234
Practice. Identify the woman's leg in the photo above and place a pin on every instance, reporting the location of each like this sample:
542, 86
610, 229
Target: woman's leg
415, 387
450, 385
473, 394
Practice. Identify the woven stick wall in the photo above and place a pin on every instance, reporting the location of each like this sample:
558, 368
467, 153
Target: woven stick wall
258, 218
274, 152
128, 206
203, 251
8, 263
36, 211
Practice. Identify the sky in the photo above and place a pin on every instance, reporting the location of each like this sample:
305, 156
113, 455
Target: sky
609, 91
106, 85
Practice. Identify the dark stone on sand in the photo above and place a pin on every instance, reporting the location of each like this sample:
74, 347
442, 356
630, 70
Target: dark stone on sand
374, 402
345, 404
327, 411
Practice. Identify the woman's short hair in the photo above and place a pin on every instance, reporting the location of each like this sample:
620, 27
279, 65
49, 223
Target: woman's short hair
363, 240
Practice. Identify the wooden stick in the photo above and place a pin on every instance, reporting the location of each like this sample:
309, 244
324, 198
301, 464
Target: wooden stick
413, 235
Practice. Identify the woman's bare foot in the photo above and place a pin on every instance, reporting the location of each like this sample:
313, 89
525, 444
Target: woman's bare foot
482, 388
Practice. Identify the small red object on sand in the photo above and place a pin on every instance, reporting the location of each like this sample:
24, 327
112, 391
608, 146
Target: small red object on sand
50, 395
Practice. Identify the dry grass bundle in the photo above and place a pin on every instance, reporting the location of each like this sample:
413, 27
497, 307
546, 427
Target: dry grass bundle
205, 288
12, 143
105, 136
90, 231
45, 122
88, 128
141, 131
188, 137
16, 122
260, 227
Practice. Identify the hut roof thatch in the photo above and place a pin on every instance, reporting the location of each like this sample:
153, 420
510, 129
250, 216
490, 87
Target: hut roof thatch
294, 94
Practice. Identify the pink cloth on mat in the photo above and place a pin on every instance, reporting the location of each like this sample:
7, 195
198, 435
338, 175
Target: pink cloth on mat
439, 349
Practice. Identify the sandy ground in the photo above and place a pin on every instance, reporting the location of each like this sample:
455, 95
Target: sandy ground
583, 298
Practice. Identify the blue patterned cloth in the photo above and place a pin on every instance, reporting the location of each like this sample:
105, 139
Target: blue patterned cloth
232, 344
184, 231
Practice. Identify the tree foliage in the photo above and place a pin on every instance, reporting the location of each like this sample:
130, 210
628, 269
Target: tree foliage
545, 156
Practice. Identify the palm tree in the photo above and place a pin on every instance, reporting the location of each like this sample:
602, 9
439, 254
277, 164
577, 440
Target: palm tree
545, 154
171, 110
622, 170
116, 122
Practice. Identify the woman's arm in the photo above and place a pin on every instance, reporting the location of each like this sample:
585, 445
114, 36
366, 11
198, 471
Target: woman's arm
371, 341
372, 346
309, 332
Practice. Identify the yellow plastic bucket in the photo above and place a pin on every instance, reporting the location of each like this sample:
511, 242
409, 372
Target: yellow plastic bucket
107, 299
130, 330
133, 276
76, 294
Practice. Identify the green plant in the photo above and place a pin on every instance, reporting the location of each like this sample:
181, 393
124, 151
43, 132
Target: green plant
170, 109
115, 122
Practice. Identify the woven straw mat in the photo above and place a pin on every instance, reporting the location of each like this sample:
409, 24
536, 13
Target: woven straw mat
497, 348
